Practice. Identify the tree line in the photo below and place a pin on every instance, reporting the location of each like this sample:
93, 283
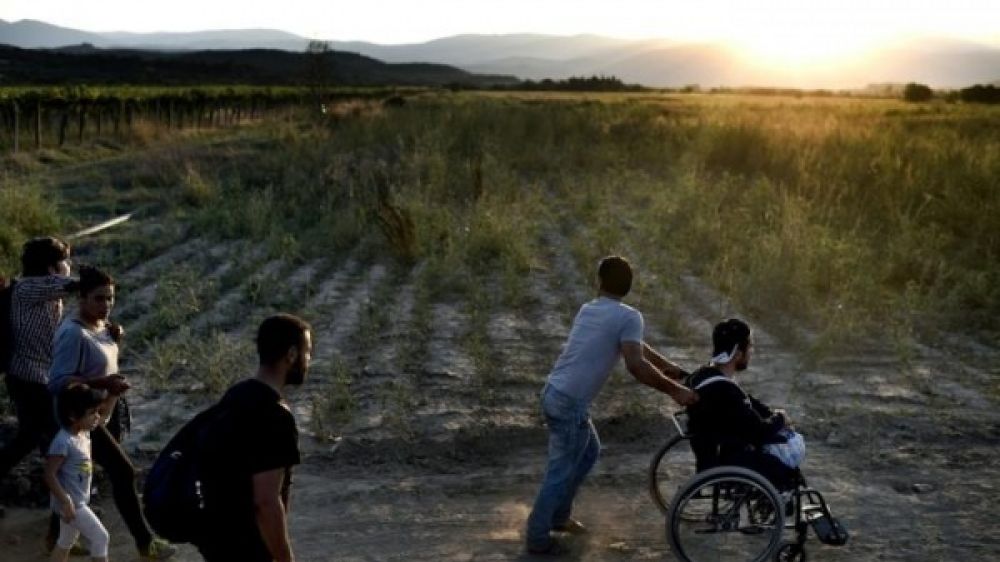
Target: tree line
33, 118
979, 93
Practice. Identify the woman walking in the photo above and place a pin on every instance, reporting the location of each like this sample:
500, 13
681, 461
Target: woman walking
85, 351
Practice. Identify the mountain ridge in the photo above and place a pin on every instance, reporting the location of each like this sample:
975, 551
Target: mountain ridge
86, 64
940, 62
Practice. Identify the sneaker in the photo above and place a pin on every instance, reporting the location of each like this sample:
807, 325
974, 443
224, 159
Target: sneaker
158, 549
554, 548
571, 526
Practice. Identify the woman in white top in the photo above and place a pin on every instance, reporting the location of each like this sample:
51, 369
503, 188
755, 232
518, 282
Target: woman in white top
86, 351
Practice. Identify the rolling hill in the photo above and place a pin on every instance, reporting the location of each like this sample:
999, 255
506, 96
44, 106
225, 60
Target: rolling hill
87, 64
938, 62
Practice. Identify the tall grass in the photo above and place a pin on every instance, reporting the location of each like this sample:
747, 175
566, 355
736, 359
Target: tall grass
849, 217
867, 216
25, 212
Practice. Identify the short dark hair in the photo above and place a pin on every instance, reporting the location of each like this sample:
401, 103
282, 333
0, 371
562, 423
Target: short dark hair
279, 333
615, 275
729, 334
92, 278
74, 401
39, 254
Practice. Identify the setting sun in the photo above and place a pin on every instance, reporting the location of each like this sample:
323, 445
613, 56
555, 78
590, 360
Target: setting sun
793, 35
802, 47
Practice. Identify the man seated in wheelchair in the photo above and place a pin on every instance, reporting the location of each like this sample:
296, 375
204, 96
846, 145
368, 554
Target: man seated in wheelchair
728, 426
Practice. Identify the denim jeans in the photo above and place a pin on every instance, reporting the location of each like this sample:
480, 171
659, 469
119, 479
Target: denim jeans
573, 450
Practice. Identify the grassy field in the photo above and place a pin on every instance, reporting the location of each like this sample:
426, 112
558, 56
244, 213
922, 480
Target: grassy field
848, 217
440, 248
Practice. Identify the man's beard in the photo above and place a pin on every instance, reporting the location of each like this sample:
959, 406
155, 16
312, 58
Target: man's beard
742, 365
296, 373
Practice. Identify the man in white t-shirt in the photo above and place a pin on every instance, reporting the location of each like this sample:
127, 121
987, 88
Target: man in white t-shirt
604, 330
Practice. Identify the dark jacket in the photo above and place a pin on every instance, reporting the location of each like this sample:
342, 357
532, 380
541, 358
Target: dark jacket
726, 421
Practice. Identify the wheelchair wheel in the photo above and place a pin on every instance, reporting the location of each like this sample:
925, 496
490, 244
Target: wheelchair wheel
726, 514
671, 467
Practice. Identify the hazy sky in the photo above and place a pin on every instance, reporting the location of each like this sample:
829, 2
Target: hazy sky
843, 24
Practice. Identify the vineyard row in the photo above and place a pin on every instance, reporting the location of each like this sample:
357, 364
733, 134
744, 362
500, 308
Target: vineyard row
34, 119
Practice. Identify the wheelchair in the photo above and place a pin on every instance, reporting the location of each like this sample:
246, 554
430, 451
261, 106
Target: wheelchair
730, 513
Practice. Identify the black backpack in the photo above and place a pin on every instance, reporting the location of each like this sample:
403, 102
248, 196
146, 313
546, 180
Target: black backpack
174, 494
6, 330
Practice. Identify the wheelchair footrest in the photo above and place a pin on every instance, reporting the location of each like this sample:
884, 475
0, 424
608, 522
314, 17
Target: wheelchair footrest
829, 530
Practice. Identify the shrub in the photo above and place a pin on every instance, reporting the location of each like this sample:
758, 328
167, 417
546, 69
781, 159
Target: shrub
917, 92
24, 213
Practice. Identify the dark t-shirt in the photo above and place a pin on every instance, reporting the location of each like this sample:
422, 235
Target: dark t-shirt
726, 421
255, 433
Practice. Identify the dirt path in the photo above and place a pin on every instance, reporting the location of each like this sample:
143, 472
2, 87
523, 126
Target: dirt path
443, 453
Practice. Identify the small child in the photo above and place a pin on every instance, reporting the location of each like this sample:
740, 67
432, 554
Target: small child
68, 471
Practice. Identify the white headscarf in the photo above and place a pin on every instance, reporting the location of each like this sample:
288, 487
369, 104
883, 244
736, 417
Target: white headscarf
725, 357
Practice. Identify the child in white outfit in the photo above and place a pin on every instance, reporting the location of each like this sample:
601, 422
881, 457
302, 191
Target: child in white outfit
68, 472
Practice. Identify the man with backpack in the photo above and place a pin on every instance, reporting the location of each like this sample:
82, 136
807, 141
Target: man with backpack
245, 447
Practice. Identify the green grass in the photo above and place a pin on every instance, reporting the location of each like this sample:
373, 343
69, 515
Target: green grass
25, 212
203, 365
851, 218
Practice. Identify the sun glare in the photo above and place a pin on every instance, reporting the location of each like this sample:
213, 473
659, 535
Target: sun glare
796, 34
796, 46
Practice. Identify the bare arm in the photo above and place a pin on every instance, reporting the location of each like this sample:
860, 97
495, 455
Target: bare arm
52, 465
286, 489
648, 374
667, 367
271, 513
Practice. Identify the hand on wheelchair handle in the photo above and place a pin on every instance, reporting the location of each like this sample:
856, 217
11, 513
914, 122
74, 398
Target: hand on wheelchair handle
684, 396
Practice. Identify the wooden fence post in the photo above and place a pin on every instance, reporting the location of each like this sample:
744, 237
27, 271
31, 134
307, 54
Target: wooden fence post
118, 116
38, 124
63, 125
82, 117
17, 125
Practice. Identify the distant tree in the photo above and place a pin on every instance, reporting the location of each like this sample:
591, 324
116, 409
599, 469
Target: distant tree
980, 93
917, 92
580, 84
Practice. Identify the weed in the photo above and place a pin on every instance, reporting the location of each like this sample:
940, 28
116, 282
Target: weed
181, 294
201, 365
25, 212
333, 410
397, 405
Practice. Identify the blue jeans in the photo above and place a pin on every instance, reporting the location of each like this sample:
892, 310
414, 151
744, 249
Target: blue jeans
573, 450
